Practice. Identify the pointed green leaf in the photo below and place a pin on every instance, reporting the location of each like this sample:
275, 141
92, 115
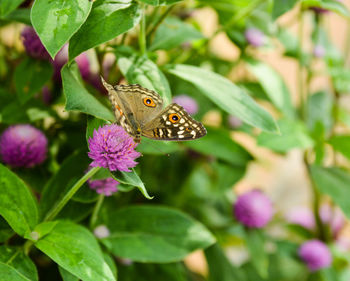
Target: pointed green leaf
335, 183
226, 95
57, 21
78, 98
7, 6
75, 249
341, 143
17, 204
107, 20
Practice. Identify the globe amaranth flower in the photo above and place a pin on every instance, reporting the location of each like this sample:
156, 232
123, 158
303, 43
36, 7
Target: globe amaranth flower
188, 103
315, 254
23, 146
253, 209
33, 45
254, 37
112, 148
319, 51
106, 186
331, 217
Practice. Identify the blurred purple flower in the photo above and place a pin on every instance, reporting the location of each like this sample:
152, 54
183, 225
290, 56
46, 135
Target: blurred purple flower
332, 217
254, 37
112, 148
302, 216
23, 146
315, 254
234, 122
319, 51
253, 209
33, 45
106, 186
188, 103
62, 57
101, 231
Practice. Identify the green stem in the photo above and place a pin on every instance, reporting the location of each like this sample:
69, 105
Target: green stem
97, 208
142, 34
59, 206
159, 21
300, 65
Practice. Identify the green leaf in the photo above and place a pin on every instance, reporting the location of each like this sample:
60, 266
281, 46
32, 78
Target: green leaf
75, 249
172, 33
335, 183
57, 21
220, 268
19, 15
274, 86
30, 76
282, 6
66, 275
78, 98
218, 143
148, 146
293, 135
226, 95
154, 234
16, 266
7, 6
5, 230
17, 204
255, 243
160, 2
141, 70
332, 5
131, 178
341, 143
72, 168
107, 20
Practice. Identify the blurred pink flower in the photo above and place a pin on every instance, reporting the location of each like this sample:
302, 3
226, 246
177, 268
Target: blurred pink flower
254, 37
188, 103
315, 254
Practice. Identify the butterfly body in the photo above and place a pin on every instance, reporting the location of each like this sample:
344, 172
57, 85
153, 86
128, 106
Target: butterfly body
141, 112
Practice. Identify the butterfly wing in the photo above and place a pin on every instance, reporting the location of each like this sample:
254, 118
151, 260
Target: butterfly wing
133, 105
174, 124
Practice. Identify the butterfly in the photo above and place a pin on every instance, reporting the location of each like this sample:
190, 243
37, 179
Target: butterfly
141, 112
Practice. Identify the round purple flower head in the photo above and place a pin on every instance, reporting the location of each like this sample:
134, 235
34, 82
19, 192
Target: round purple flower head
319, 51
106, 186
112, 148
315, 254
333, 217
254, 37
33, 45
253, 209
23, 146
188, 103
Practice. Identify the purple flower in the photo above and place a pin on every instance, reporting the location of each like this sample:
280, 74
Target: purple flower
303, 217
332, 217
234, 122
106, 186
33, 45
61, 59
254, 37
319, 51
253, 209
315, 254
112, 148
188, 103
23, 146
